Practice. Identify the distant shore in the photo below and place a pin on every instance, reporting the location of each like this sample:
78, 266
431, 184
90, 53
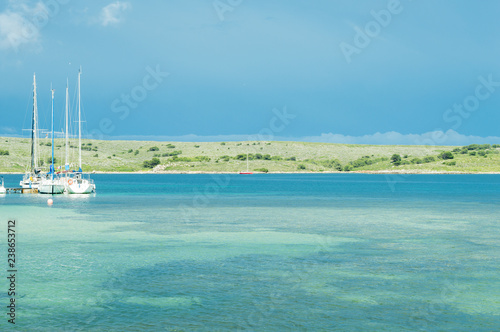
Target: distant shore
408, 172
259, 157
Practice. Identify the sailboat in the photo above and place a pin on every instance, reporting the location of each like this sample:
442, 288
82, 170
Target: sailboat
2, 188
247, 172
33, 177
78, 184
51, 184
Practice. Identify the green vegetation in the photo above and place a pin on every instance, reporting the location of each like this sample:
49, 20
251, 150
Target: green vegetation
151, 163
446, 155
153, 148
273, 157
49, 160
396, 159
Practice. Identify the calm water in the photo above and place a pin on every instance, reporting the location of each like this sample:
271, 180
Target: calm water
262, 252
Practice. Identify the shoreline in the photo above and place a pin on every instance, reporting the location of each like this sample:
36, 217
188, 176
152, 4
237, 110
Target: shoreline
386, 172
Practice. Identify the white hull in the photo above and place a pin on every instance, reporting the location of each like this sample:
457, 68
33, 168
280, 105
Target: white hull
2, 191
51, 187
30, 182
80, 186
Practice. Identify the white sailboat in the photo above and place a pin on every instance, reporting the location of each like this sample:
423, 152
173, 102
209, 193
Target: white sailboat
52, 184
2, 188
33, 177
248, 171
78, 184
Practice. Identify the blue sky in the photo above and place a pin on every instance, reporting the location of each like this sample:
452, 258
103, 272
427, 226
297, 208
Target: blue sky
348, 71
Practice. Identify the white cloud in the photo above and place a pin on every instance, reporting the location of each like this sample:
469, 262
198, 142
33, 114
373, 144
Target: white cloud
20, 24
450, 137
8, 130
113, 13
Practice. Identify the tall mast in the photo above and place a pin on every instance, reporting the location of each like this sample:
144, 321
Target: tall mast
34, 130
52, 129
79, 122
66, 163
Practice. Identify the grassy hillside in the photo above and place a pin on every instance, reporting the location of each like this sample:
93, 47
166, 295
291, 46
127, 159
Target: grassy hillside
130, 156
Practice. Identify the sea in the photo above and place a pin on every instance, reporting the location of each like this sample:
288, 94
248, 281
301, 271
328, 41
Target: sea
262, 252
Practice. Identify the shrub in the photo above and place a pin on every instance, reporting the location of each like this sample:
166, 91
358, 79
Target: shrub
266, 157
495, 146
416, 161
292, 159
193, 159
396, 159
170, 154
301, 167
446, 155
347, 168
153, 148
450, 163
331, 164
472, 153
197, 146
96, 155
263, 170
170, 146
482, 153
130, 151
223, 143
429, 159
225, 158
4, 152
136, 152
151, 163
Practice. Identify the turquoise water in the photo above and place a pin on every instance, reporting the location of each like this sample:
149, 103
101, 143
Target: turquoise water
332, 252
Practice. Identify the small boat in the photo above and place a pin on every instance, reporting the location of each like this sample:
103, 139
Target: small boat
247, 172
34, 176
78, 184
51, 184
2, 188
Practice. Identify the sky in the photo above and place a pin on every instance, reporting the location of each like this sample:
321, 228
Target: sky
343, 71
